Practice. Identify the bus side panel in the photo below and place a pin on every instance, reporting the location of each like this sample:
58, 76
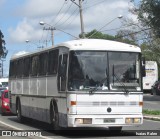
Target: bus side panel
19, 87
12, 90
33, 86
42, 87
62, 109
52, 86
26, 86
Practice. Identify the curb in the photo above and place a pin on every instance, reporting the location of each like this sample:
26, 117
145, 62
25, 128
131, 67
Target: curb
155, 118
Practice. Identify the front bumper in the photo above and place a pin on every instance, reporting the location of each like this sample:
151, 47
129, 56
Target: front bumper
6, 110
103, 120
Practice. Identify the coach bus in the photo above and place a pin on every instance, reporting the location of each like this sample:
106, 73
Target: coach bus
79, 83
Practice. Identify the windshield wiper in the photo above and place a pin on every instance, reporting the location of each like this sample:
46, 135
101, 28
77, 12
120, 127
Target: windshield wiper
122, 84
96, 88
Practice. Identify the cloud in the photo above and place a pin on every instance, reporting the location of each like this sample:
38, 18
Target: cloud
39, 8
95, 15
24, 30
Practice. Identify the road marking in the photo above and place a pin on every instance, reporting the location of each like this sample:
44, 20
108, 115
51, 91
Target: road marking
16, 128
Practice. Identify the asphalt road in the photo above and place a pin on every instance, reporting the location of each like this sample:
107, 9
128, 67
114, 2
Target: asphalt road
10, 122
151, 102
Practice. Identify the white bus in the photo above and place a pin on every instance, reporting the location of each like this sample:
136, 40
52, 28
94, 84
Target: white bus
151, 75
79, 83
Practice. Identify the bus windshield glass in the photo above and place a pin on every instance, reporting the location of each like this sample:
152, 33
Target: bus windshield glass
104, 71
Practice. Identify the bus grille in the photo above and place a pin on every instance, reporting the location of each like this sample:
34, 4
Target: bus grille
111, 103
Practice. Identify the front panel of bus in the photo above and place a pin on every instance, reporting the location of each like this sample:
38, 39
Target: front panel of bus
104, 89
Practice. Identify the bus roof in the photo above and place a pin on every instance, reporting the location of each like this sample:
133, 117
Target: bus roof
99, 44
89, 44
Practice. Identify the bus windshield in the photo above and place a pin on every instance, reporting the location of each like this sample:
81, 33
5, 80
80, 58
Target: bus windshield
104, 70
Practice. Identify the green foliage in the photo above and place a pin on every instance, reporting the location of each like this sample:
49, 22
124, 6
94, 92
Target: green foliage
94, 34
3, 51
148, 14
151, 112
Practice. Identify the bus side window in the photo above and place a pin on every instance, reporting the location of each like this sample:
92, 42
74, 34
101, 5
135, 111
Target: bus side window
12, 70
27, 65
53, 62
35, 65
43, 64
20, 68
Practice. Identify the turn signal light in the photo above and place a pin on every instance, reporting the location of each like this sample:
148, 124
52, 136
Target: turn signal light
73, 103
140, 103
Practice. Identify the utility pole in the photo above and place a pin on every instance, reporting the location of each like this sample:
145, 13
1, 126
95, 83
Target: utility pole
52, 33
81, 16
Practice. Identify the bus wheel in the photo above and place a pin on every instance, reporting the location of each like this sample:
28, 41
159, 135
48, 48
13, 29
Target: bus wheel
54, 117
19, 116
115, 129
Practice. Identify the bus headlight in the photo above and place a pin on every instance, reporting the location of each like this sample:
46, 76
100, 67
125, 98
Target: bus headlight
133, 120
137, 120
129, 120
83, 121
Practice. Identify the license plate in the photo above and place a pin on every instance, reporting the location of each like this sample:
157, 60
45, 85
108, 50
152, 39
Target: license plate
109, 120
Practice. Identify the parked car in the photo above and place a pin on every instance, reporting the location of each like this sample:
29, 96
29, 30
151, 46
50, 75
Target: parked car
4, 103
155, 89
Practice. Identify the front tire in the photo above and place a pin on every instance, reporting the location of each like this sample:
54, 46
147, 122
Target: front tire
54, 117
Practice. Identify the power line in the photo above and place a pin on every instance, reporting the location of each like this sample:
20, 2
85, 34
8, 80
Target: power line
71, 21
58, 12
68, 17
94, 4
120, 16
63, 15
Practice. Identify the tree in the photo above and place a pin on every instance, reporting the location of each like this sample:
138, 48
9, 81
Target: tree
148, 15
3, 51
94, 34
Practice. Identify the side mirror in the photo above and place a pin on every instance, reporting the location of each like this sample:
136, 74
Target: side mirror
143, 71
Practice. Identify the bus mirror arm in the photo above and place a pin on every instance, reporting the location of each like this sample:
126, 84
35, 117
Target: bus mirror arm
143, 71
143, 60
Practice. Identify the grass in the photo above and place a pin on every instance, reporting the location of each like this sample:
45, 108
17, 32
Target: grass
151, 112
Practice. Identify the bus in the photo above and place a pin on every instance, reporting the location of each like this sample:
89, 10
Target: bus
151, 75
79, 83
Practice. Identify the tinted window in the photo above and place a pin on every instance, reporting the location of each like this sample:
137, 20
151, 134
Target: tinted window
27, 66
35, 65
43, 63
12, 69
20, 68
53, 62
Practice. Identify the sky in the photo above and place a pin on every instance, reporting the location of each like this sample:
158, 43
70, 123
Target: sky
19, 21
